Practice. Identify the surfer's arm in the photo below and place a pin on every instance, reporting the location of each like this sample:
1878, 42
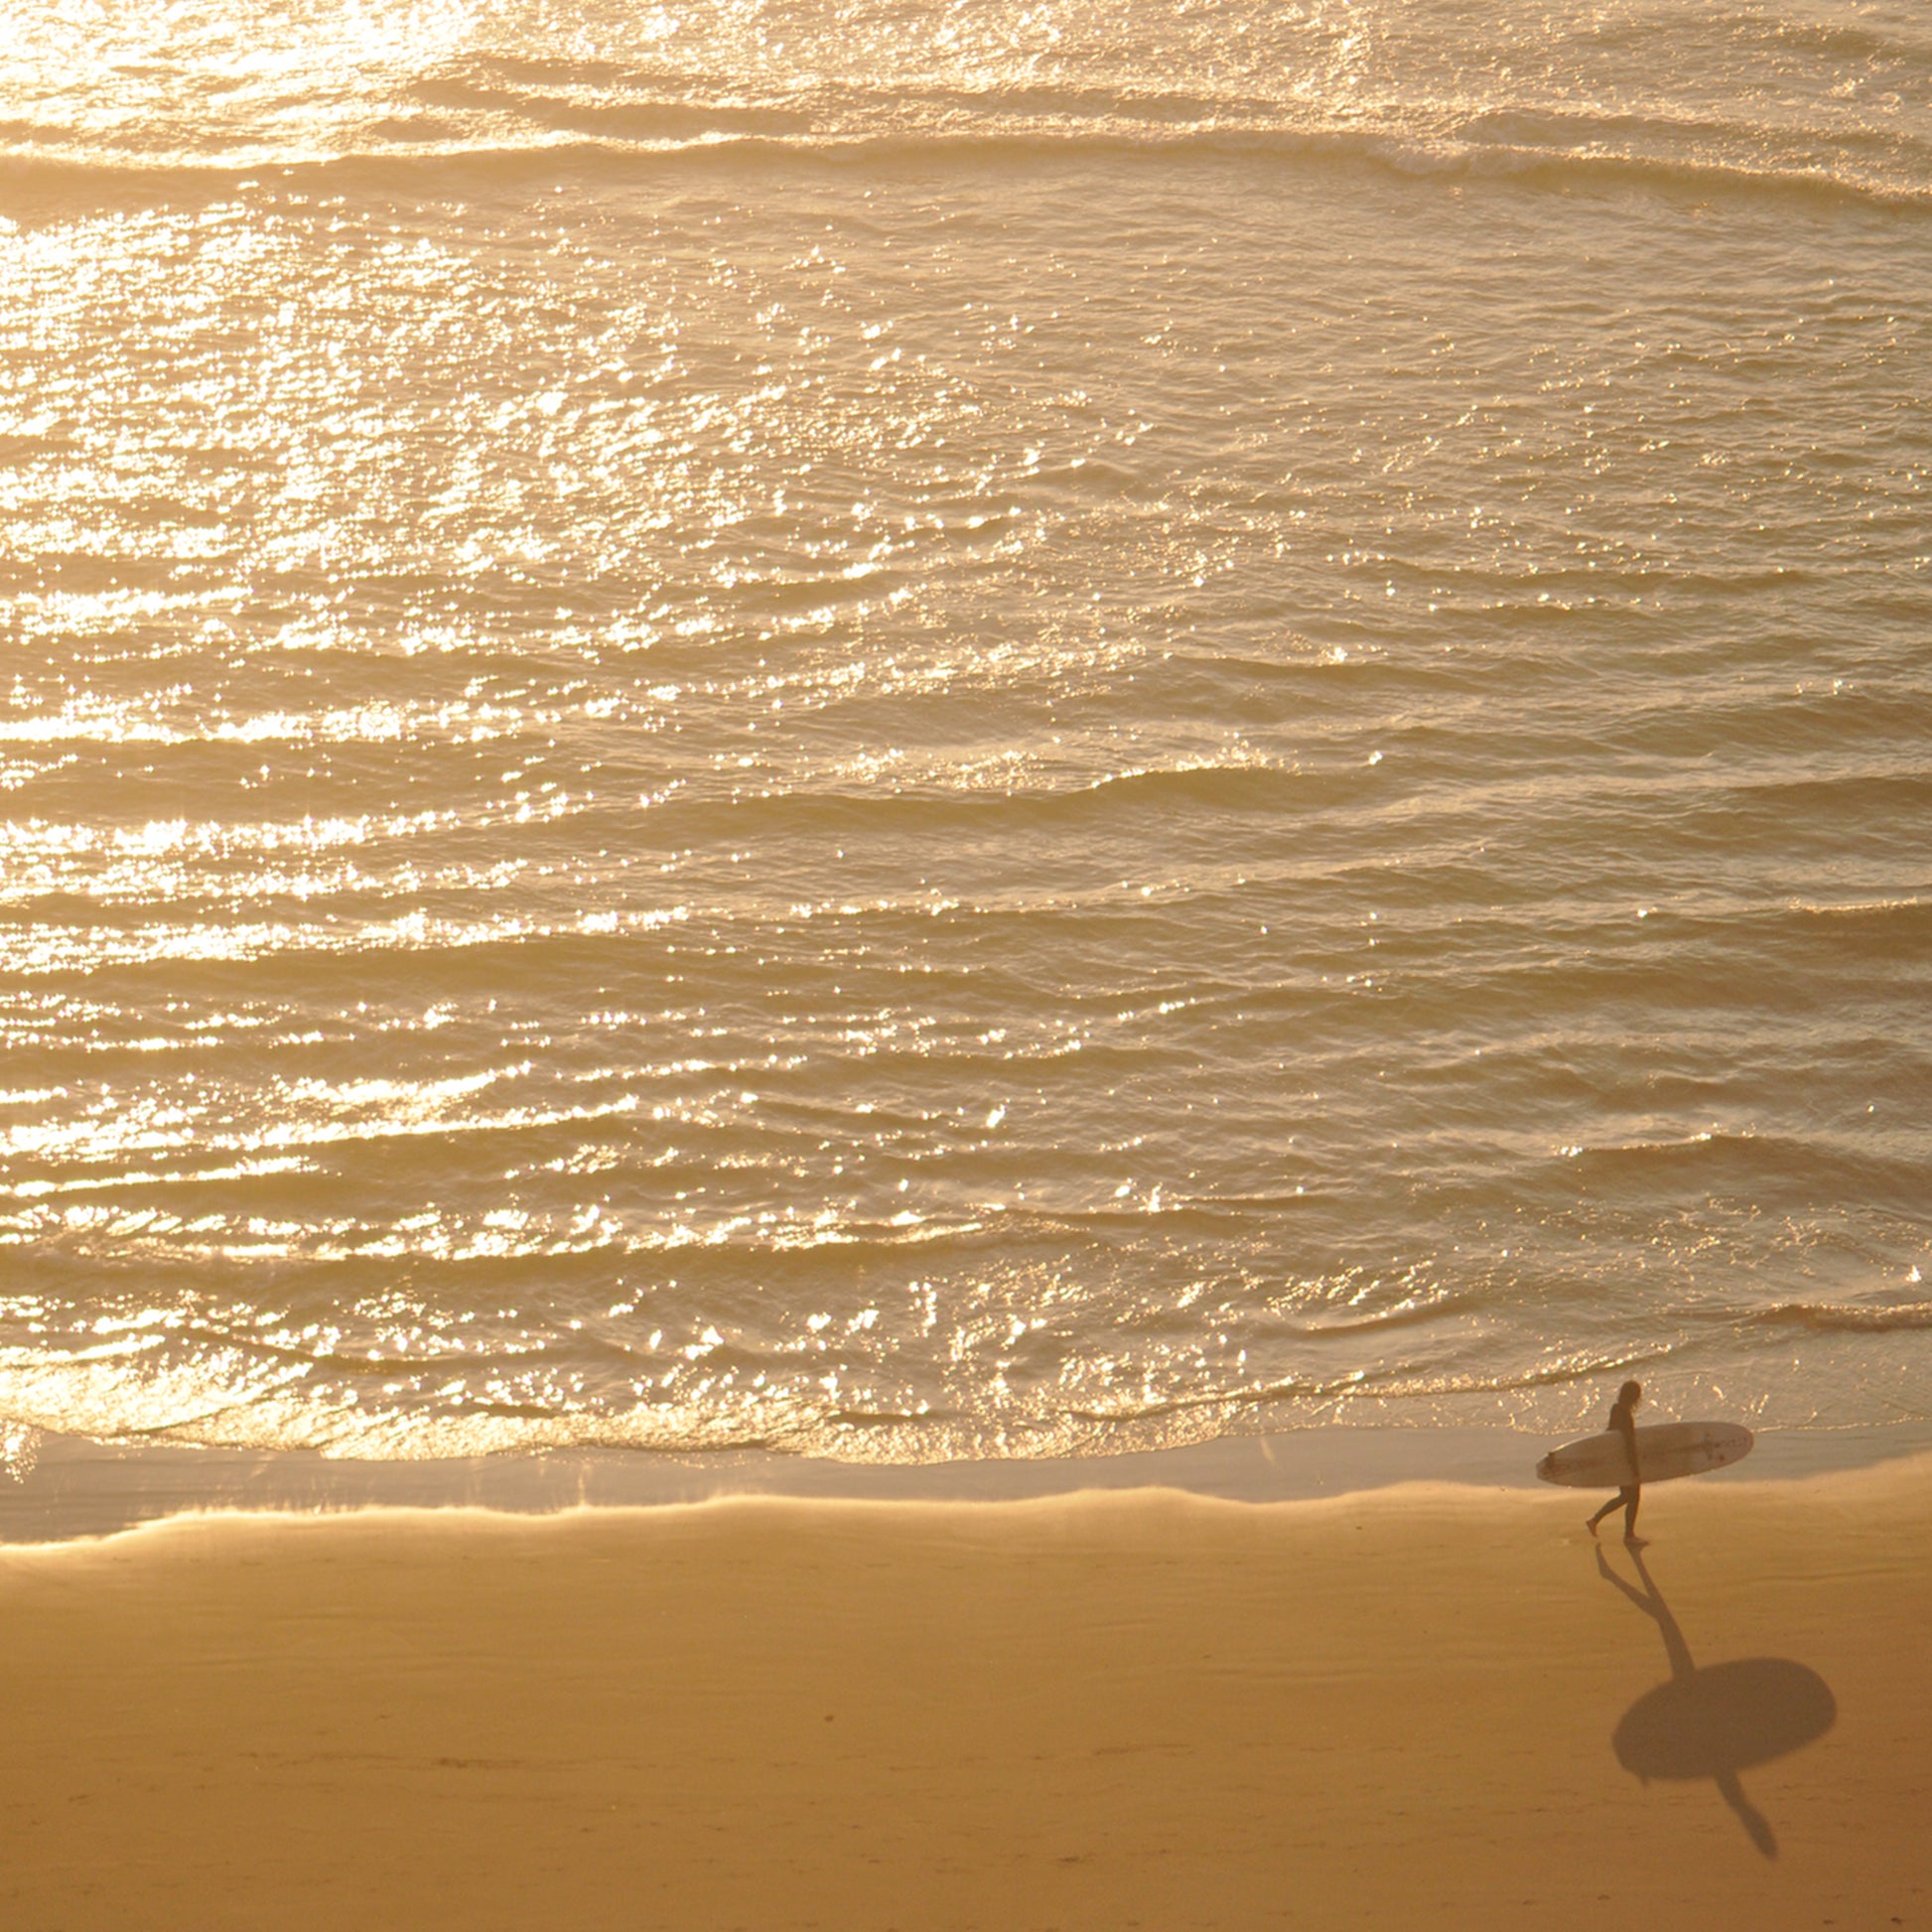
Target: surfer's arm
1627, 1428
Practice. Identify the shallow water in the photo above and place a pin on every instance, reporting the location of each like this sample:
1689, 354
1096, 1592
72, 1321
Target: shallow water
909, 731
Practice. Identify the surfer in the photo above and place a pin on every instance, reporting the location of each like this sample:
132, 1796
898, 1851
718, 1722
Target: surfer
1623, 1421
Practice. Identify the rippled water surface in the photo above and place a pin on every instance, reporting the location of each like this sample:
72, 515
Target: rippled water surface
911, 731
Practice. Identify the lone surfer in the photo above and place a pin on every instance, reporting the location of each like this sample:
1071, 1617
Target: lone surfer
1624, 1420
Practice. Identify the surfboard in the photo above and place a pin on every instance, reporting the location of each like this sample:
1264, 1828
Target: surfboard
1663, 1450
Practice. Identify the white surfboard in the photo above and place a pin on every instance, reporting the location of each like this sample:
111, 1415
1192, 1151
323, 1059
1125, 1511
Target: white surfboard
1663, 1450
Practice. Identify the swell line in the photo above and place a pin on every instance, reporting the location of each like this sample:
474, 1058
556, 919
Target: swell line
438, 166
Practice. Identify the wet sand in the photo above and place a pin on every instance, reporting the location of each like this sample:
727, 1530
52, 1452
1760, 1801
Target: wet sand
1416, 1706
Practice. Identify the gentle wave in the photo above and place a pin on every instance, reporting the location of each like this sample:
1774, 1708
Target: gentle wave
1829, 1319
1662, 92
51, 166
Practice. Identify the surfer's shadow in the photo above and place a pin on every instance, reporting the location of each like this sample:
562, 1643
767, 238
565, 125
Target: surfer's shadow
1717, 1722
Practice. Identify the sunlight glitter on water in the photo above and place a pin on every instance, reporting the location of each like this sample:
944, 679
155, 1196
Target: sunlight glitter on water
1185, 724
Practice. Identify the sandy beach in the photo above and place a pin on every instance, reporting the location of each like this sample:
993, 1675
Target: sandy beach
1417, 1705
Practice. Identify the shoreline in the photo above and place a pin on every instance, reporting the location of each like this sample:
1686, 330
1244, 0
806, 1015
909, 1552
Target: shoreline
1426, 1703
72, 1488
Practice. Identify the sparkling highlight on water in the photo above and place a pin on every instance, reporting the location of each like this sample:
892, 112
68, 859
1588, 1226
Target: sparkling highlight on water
1053, 735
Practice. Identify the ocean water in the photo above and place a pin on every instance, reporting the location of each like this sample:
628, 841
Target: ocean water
910, 731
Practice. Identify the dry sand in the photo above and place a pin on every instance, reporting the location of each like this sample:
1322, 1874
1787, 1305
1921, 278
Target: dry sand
1140, 1709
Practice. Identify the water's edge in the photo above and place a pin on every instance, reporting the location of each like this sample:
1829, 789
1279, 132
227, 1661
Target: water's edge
74, 1488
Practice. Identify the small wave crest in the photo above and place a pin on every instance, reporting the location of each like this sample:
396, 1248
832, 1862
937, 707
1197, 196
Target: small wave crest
431, 154
1832, 1318
1766, 97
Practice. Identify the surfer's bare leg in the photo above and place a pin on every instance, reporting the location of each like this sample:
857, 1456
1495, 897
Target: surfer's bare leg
1617, 1501
1630, 1498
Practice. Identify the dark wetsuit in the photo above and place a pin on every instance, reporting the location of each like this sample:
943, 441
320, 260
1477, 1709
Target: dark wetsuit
1623, 1421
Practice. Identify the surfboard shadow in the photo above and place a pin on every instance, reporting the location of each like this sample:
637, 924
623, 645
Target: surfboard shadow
1718, 1721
